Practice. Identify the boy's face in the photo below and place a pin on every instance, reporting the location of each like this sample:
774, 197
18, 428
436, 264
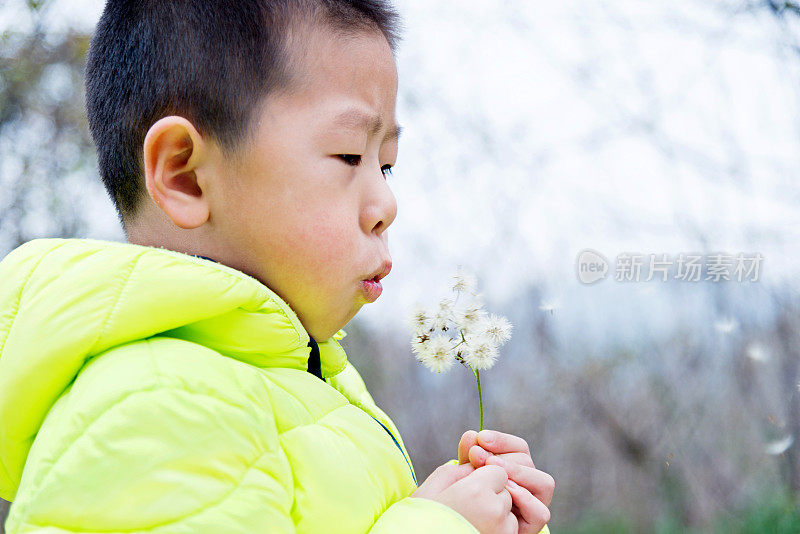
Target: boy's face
305, 221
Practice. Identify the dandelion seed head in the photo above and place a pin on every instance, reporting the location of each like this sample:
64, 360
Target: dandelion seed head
419, 318
440, 320
757, 353
779, 446
483, 334
549, 305
465, 281
481, 352
419, 346
438, 356
497, 328
470, 317
726, 325
446, 305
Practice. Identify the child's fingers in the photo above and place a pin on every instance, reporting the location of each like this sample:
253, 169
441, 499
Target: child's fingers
446, 475
492, 476
533, 514
519, 458
468, 439
477, 456
499, 442
538, 483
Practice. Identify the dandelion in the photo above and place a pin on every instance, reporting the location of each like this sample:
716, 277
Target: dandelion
757, 353
779, 446
498, 329
470, 317
481, 352
446, 306
478, 333
726, 326
548, 305
419, 319
443, 315
418, 345
464, 281
436, 354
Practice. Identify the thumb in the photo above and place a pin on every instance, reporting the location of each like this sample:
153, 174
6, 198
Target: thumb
468, 439
448, 474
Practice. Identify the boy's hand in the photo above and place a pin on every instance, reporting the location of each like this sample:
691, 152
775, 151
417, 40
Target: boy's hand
535, 491
481, 495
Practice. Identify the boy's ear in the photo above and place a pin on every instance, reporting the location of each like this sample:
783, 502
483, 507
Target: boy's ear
173, 153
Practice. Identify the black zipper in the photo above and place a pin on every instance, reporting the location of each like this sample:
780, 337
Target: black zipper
314, 364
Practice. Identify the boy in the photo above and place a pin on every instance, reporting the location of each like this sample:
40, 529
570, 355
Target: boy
192, 380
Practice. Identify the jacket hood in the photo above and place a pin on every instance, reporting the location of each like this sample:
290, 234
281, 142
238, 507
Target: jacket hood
63, 301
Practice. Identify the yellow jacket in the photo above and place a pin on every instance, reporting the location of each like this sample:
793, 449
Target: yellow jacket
143, 389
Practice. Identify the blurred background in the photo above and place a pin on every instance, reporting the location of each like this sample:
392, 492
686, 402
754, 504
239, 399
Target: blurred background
533, 131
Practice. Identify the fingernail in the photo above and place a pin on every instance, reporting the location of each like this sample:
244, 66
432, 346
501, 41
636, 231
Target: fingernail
486, 436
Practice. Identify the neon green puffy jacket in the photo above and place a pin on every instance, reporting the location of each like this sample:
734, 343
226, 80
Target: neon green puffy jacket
143, 389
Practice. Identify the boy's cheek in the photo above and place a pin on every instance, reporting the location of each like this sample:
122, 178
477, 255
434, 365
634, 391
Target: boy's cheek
330, 240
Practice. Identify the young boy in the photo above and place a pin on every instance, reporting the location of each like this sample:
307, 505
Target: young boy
192, 380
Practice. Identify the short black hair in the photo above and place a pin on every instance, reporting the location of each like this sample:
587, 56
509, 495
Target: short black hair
210, 61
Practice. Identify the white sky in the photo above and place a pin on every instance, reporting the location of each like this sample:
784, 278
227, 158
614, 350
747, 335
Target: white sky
645, 127
533, 130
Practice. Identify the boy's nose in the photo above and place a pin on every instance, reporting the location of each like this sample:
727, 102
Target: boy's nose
381, 208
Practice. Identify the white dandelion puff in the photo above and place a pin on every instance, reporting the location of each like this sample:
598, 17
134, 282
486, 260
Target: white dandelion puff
478, 338
726, 326
470, 317
419, 346
549, 305
497, 328
464, 281
423, 331
440, 320
779, 446
438, 354
443, 314
757, 353
481, 352
419, 319
446, 306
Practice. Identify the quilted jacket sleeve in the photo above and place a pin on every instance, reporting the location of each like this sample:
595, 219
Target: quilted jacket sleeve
419, 515
161, 459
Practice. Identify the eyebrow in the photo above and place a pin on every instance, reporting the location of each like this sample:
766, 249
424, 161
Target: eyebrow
356, 118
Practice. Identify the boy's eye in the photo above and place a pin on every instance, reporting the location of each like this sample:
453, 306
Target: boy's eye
355, 159
351, 159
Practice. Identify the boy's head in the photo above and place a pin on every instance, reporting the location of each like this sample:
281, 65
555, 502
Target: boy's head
243, 130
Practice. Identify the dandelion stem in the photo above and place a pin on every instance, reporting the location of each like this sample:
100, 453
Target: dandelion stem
480, 397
